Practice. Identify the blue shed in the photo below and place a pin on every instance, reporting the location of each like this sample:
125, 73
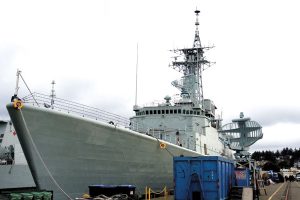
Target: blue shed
203, 177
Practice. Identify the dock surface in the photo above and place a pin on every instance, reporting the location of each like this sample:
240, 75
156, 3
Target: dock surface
282, 191
279, 191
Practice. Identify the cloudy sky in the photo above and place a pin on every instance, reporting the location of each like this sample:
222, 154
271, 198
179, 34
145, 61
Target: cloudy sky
89, 49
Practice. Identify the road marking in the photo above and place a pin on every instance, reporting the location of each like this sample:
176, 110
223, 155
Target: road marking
287, 193
276, 191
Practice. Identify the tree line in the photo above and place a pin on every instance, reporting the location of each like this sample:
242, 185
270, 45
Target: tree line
283, 159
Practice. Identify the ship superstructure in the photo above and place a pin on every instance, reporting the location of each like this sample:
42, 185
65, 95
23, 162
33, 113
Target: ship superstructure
70, 146
189, 121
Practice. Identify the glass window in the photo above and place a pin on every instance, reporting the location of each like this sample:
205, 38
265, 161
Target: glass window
198, 113
150, 112
147, 113
179, 111
154, 112
175, 111
183, 111
167, 111
163, 112
158, 112
171, 111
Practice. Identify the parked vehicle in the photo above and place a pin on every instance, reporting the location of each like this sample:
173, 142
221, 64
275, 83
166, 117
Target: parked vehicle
275, 177
298, 177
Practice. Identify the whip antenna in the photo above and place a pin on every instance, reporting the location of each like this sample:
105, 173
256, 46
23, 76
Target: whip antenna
136, 72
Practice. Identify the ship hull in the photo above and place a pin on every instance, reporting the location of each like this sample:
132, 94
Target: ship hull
15, 176
78, 152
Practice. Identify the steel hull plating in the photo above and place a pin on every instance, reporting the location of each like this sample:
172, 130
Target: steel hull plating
15, 176
80, 152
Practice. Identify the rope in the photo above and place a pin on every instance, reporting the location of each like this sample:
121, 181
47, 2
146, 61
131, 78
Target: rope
163, 190
114, 197
165, 148
29, 89
40, 157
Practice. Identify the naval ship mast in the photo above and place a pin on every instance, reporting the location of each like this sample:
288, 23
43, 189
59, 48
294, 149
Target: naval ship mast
191, 62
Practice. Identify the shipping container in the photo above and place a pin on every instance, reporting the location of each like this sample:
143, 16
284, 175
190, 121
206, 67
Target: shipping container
203, 177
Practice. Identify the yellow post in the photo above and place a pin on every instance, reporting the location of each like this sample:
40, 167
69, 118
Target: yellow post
149, 193
166, 193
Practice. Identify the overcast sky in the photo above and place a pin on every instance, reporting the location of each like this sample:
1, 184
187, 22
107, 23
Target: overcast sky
89, 49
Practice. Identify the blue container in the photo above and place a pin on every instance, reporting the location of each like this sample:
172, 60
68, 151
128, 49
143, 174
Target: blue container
203, 177
242, 177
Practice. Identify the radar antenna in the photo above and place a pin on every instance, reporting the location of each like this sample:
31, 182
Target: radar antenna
52, 95
240, 135
191, 62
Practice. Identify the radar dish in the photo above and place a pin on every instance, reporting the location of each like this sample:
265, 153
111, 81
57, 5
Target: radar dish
240, 135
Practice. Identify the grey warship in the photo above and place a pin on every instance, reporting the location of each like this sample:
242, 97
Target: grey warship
70, 146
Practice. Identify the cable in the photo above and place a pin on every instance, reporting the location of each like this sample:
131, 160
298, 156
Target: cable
29, 89
164, 148
40, 157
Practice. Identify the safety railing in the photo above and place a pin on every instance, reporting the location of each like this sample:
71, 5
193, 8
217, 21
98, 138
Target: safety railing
151, 193
67, 106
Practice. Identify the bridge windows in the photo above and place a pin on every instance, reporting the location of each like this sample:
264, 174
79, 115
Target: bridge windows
168, 111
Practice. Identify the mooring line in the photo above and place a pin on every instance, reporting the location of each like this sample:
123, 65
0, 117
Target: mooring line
40, 157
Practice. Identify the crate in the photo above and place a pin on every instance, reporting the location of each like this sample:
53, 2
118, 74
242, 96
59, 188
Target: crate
15, 196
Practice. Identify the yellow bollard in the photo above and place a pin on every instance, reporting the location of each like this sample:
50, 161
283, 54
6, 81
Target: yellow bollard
149, 193
166, 193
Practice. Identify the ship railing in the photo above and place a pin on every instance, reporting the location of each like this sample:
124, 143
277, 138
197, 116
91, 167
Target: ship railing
38, 99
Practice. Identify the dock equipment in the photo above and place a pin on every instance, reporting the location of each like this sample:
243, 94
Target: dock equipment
110, 190
203, 177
